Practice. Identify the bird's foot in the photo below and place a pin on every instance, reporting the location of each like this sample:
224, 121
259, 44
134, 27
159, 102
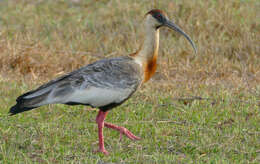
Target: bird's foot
122, 130
102, 151
127, 133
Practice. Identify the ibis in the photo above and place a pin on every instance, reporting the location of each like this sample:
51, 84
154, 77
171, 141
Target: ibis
106, 83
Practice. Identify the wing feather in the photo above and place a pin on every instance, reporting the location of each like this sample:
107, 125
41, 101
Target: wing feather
100, 83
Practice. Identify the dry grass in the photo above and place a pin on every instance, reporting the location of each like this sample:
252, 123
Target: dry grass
36, 37
40, 40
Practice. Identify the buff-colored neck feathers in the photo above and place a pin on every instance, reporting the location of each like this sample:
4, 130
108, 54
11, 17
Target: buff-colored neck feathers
147, 54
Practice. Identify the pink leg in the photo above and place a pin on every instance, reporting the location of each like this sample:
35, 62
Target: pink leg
122, 130
100, 121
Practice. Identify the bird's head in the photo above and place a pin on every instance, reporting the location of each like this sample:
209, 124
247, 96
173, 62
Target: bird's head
157, 18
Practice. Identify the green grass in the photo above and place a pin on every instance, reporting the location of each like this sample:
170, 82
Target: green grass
224, 129
40, 40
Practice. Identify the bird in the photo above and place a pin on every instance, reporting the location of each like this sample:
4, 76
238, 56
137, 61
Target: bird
106, 83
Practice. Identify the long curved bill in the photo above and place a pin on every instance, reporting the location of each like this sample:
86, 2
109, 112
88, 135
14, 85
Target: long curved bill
173, 26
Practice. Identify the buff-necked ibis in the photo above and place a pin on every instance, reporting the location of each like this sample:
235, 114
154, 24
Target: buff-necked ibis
106, 83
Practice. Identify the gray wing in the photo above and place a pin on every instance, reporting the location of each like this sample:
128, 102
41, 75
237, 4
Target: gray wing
108, 81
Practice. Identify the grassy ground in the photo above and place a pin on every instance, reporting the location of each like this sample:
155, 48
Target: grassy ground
202, 108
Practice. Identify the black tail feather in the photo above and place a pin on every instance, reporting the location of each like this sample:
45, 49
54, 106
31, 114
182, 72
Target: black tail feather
23, 104
18, 108
35, 98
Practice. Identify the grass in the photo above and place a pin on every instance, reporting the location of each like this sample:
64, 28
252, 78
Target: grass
202, 108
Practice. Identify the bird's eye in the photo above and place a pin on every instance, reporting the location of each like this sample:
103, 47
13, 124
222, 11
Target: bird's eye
160, 18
